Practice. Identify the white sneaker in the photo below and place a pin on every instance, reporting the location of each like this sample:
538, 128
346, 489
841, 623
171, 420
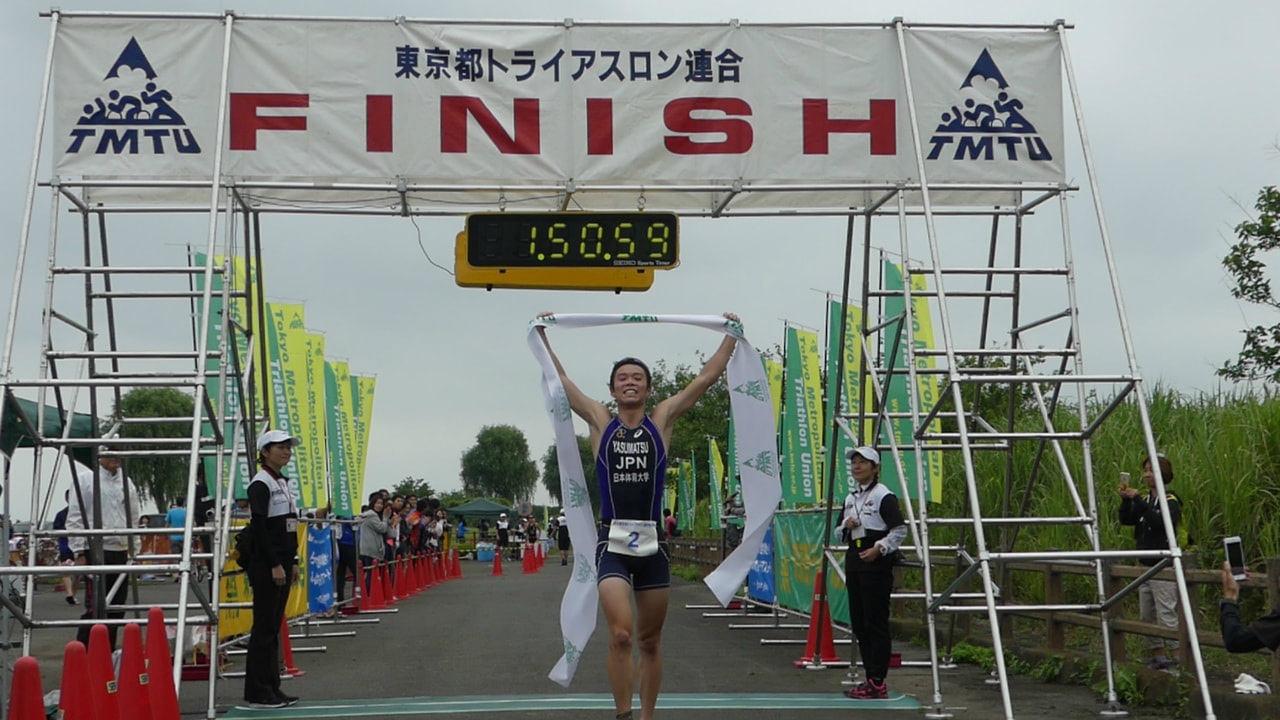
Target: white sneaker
1247, 684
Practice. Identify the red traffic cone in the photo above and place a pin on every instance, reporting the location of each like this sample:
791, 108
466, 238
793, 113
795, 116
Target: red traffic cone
497, 562
375, 601
388, 589
411, 578
75, 702
398, 580
102, 675
526, 562
429, 572
819, 621
26, 698
164, 697
441, 572
420, 565
457, 564
135, 701
287, 650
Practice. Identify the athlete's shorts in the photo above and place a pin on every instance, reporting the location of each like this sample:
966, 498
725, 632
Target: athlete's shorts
641, 573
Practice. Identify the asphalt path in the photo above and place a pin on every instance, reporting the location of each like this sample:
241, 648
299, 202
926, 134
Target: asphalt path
481, 646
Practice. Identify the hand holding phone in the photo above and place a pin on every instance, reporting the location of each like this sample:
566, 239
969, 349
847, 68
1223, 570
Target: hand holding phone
1234, 548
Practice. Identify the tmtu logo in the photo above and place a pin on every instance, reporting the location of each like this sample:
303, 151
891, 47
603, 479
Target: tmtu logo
986, 122
136, 114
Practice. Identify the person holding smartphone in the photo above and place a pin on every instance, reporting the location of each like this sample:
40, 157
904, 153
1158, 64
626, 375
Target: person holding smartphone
1236, 636
1158, 599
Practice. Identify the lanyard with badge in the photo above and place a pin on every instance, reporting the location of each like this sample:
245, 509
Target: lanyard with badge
857, 532
291, 520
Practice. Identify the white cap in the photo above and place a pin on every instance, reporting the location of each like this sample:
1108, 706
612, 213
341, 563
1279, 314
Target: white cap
502, 514
276, 436
868, 453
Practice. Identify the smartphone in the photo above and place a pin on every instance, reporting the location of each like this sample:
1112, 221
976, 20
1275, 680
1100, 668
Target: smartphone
1234, 548
1124, 481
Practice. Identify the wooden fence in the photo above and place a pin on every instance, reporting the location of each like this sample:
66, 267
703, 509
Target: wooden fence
706, 553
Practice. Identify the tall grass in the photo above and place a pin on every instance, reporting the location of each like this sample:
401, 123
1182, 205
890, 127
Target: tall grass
1225, 451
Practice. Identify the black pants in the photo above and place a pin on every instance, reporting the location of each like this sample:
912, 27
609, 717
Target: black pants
262, 661
346, 562
93, 584
869, 618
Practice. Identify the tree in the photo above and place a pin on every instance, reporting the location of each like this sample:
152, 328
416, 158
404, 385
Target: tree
411, 485
161, 477
708, 418
498, 465
551, 471
1259, 359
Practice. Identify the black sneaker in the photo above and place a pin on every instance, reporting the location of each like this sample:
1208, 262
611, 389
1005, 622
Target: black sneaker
71, 600
287, 699
266, 704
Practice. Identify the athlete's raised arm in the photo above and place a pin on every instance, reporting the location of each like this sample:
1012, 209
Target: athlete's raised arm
594, 412
668, 411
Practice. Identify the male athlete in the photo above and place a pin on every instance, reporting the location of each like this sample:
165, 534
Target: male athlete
631, 549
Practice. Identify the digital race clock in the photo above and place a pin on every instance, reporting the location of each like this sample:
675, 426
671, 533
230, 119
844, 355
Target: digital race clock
566, 250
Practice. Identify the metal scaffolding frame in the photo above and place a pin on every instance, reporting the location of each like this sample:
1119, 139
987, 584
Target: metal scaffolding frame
969, 368
234, 206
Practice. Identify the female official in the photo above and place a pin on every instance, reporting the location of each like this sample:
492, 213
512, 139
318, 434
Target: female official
872, 526
273, 568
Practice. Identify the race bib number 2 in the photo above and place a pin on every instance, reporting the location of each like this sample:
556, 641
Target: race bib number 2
638, 538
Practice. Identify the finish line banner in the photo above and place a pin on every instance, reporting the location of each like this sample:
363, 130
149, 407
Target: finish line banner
483, 105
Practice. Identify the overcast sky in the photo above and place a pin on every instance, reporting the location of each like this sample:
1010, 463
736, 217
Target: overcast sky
1182, 138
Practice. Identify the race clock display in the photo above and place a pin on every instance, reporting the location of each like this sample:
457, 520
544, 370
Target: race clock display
567, 250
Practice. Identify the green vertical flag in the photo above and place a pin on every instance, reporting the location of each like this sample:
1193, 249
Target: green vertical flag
801, 421
687, 501
362, 421
715, 467
317, 410
343, 503
898, 398
280, 417
850, 397
240, 475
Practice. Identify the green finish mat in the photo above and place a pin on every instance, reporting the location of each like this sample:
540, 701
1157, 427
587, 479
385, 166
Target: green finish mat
385, 707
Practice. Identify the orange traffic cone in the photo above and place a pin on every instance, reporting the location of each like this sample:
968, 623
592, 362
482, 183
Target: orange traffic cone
542, 555
526, 562
376, 600
26, 698
135, 702
819, 623
497, 563
75, 702
287, 647
442, 573
102, 675
457, 565
164, 697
